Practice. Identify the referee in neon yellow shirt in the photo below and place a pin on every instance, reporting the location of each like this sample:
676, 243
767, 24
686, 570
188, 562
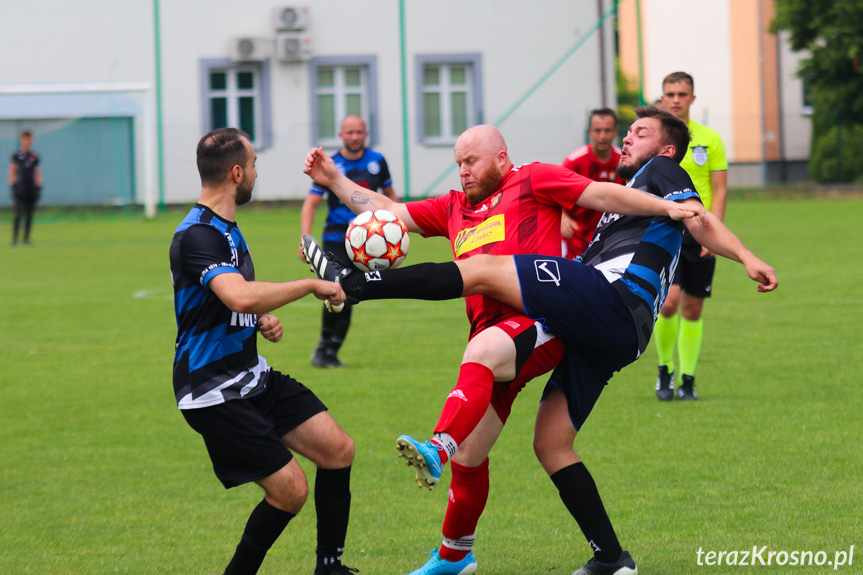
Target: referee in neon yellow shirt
706, 164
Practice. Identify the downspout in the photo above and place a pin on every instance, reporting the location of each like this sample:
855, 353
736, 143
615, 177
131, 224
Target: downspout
159, 148
405, 138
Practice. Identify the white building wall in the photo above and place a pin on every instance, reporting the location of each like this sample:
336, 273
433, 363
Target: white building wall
108, 42
692, 37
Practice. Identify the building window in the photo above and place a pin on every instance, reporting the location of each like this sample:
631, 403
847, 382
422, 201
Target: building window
342, 87
806, 87
237, 95
450, 96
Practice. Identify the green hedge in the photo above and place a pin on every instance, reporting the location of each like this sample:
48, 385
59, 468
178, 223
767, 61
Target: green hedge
836, 155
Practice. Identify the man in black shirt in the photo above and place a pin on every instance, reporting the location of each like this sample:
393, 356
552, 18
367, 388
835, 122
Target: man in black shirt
25, 182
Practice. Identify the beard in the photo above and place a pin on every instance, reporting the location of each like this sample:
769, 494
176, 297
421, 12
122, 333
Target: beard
487, 184
244, 192
626, 172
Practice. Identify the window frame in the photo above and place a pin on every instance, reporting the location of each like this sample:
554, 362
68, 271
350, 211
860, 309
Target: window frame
475, 99
261, 92
369, 101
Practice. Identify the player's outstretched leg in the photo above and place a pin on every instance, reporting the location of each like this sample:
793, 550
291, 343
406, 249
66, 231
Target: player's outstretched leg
423, 457
326, 268
623, 566
438, 566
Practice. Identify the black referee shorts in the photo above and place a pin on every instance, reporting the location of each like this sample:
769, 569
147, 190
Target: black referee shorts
694, 274
244, 436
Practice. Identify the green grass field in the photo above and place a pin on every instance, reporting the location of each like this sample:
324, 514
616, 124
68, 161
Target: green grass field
100, 474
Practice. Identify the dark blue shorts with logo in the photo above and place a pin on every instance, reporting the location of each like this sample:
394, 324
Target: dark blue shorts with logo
577, 304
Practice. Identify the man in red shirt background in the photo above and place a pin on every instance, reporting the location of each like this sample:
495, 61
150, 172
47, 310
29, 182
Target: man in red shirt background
598, 161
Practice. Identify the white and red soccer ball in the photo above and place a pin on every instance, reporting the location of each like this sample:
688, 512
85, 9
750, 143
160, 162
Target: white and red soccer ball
377, 240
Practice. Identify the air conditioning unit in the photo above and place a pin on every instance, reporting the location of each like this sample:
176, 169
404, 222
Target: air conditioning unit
250, 49
293, 47
291, 17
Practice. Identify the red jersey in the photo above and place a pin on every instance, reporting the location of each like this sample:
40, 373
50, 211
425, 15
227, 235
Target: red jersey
582, 161
521, 217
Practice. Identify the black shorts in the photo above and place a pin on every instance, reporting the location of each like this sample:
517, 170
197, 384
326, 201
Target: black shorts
576, 303
694, 274
244, 436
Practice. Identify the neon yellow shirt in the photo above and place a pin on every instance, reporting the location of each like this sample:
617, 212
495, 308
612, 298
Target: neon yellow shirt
705, 154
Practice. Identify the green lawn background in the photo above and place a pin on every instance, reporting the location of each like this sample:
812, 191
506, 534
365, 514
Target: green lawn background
100, 474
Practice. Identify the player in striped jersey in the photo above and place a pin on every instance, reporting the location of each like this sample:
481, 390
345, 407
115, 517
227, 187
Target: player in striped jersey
249, 415
603, 311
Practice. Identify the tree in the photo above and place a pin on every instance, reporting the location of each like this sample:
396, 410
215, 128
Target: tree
832, 32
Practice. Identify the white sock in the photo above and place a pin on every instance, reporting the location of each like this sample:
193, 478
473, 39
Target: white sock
447, 442
463, 544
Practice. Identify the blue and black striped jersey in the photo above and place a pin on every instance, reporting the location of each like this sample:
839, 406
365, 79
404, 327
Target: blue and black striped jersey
370, 171
638, 254
216, 356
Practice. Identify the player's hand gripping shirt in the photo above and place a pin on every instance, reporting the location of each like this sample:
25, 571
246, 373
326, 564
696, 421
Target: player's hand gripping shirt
638, 254
216, 355
370, 171
521, 217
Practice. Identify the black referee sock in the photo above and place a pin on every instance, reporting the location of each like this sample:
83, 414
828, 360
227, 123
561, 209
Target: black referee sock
427, 281
581, 497
264, 526
332, 507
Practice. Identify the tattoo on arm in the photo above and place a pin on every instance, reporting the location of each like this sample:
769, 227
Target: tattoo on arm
362, 198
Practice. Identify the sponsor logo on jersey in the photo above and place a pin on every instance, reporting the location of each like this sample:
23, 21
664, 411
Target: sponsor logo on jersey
699, 155
235, 259
244, 319
490, 231
374, 168
373, 276
547, 271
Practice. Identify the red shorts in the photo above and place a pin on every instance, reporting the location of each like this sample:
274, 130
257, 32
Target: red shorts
536, 353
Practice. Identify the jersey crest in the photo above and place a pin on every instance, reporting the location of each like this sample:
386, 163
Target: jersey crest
490, 231
699, 155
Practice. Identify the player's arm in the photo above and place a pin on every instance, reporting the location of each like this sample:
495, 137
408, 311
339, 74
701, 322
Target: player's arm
258, 297
13, 174
37, 176
617, 199
719, 195
321, 168
715, 236
307, 217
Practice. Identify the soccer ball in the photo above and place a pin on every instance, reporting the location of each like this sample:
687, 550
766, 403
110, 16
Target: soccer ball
377, 240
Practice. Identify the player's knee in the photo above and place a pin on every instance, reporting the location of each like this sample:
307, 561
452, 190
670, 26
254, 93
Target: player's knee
290, 493
669, 308
692, 311
348, 451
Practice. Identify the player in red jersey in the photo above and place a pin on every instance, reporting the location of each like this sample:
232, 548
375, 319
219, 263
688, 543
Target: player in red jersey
598, 161
502, 210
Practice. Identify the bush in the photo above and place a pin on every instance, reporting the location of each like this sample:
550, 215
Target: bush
837, 146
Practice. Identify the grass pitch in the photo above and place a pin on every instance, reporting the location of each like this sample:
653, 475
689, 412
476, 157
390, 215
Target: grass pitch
100, 474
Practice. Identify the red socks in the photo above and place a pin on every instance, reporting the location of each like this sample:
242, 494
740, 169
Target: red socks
467, 498
465, 405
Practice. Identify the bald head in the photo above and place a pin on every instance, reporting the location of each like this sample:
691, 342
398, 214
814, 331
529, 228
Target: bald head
482, 159
353, 135
482, 139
